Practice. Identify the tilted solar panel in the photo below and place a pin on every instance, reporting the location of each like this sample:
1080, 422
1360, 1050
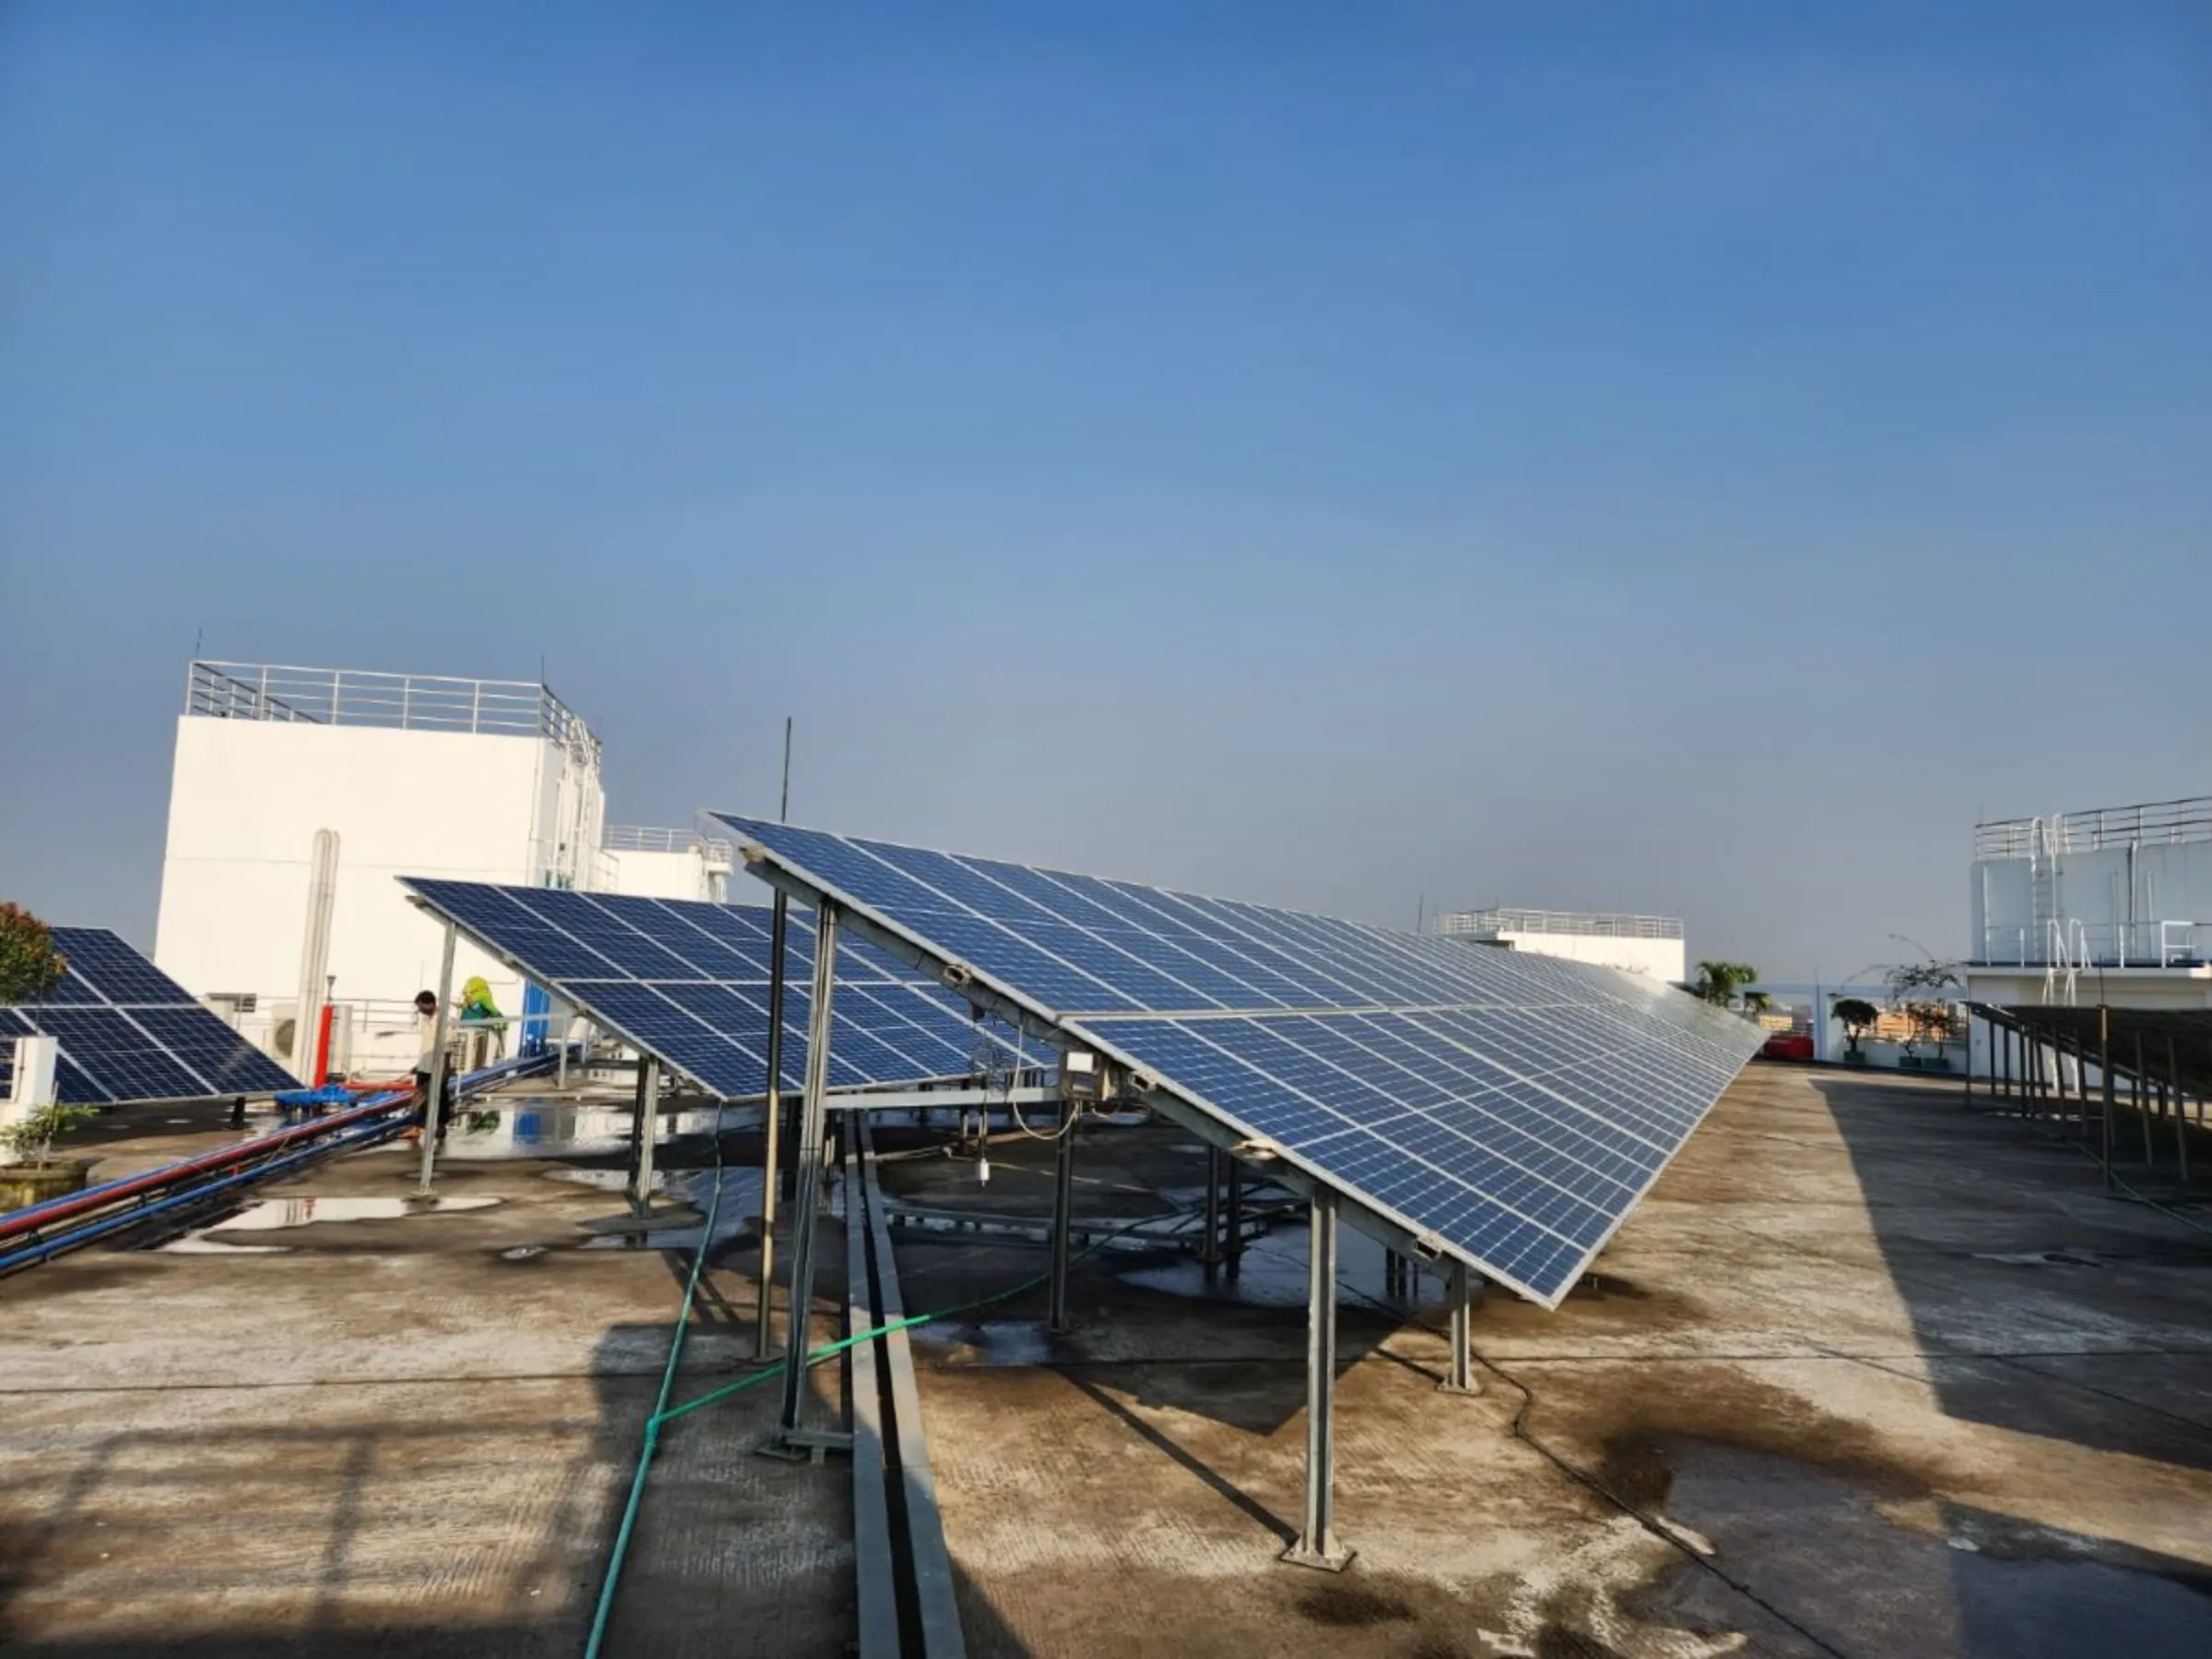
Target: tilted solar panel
689, 982
1512, 1108
129, 1033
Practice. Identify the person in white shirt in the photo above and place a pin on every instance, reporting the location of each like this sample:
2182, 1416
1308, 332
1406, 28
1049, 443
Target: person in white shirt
425, 1063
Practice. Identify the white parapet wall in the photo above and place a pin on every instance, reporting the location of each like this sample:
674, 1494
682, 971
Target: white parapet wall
665, 863
512, 801
1650, 946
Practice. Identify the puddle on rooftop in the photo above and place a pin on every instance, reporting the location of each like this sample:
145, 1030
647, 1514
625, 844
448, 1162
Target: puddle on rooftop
532, 1128
276, 1215
270, 1215
694, 1191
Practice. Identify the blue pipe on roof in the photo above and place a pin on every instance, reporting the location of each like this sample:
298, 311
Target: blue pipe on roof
367, 1134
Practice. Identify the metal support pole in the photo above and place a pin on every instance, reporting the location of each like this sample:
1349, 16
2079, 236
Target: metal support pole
2142, 1095
2008, 1036
2181, 1115
434, 1107
1234, 1242
1970, 1057
771, 1131
1209, 1243
1063, 1198
2104, 1038
1460, 1378
1316, 1545
648, 1129
812, 1115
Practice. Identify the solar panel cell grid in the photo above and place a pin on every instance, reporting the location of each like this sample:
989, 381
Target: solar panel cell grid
1513, 1106
158, 1044
688, 982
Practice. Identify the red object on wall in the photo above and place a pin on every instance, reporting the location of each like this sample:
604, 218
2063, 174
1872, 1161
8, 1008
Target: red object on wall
1787, 1045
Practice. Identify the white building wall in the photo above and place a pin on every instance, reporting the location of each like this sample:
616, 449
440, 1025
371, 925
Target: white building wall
682, 875
246, 799
1661, 959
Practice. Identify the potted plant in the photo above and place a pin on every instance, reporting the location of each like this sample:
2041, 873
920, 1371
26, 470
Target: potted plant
32, 1173
30, 968
1927, 1017
1857, 1013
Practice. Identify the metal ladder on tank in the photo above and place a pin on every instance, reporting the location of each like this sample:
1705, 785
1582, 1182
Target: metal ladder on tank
2045, 841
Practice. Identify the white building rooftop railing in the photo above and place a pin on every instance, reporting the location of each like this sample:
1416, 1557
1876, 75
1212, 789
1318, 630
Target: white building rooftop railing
362, 697
1609, 925
649, 837
2144, 824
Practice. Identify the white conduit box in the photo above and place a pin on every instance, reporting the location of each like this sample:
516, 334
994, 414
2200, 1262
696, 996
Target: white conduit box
33, 1083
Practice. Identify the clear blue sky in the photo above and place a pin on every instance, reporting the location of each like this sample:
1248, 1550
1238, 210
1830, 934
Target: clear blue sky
1690, 458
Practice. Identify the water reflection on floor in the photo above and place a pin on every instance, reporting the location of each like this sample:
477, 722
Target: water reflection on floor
275, 1215
266, 1215
550, 1128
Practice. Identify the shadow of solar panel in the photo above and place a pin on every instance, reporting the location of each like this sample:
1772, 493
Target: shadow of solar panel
689, 982
1511, 1110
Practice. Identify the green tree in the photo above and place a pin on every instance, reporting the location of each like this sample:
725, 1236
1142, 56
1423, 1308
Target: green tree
1915, 991
30, 965
1857, 1013
1718, 982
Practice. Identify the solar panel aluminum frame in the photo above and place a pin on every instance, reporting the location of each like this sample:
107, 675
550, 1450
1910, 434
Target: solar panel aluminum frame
537, 975
1184, 1107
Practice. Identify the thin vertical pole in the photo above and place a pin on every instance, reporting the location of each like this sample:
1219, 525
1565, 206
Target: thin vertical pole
2180, 1123
814, 1111
2142, 1097
1064, 1199
771, 1120
648, 1129
1210, 1241
2104, 1036
433, 1108
1460, 1378
1316, 1543
1234, 1241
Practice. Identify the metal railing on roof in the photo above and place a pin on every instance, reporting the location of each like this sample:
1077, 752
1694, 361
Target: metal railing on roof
1605, 923
362, 697
2146, 823
646, 838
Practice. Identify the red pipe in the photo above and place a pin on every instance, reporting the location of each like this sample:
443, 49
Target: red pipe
114, 1192
323, 1050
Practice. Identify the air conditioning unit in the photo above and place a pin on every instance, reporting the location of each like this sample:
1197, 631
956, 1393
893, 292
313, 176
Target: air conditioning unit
283, 1014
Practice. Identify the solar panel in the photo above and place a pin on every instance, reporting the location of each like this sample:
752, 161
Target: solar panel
1510, 1109
129, 1033
689, 982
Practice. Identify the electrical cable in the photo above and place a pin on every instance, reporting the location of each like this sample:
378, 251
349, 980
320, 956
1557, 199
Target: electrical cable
664, 1414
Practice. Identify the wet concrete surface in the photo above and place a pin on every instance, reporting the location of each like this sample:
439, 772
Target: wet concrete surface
1869, 1374
1840, 1388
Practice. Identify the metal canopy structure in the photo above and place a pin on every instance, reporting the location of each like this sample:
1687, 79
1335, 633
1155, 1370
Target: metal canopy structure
128, 1032
689, 982
1502, 1110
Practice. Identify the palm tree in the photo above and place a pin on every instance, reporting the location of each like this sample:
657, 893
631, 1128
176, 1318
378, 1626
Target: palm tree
1717, 982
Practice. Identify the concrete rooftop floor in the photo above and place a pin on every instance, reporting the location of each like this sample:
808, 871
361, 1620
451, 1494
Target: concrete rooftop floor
1869, 1374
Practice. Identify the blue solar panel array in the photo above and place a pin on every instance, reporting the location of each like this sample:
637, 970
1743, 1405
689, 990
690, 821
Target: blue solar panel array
1514, 1107
129, 1033
688, 983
